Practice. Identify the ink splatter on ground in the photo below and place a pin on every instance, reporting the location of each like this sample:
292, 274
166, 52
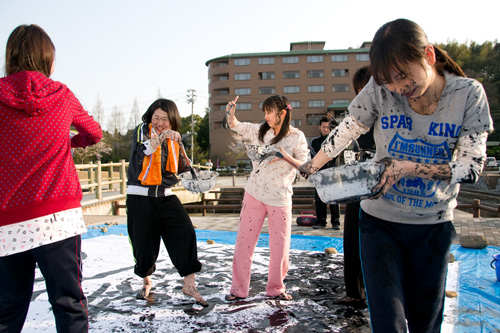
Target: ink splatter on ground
315, 280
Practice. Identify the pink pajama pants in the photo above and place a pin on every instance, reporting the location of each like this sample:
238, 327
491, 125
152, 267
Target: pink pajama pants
253, 214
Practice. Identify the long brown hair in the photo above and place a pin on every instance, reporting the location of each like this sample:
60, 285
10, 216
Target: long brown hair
29, 48
169, 107
397, 44
277, 103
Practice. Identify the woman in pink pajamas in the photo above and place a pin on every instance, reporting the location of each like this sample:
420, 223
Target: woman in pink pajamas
268, 192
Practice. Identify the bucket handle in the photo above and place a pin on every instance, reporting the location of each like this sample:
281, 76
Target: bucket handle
491, 264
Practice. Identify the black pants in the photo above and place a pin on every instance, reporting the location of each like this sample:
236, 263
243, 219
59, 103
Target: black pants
404, 267
151, 219
321, 211
353, 275
61, 266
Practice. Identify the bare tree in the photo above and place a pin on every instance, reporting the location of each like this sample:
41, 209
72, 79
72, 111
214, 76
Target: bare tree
98, 111
115, 123
135, 117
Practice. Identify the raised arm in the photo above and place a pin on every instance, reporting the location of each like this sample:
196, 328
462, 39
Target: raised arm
231, 109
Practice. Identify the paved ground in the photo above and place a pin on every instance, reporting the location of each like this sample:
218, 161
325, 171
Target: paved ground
464, 224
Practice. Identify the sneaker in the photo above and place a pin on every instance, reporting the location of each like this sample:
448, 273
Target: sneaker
336, 227
319, 226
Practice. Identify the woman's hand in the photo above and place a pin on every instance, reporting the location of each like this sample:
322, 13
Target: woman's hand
396, 169
170, 134
230, 110
285, 156
388, 178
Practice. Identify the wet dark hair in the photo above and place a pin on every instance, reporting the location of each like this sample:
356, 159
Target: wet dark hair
29, 48
169, 107
397, 44
277, 103
361, 78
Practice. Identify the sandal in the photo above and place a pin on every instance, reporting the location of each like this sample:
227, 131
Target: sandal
232, 297
284, 297
200, 300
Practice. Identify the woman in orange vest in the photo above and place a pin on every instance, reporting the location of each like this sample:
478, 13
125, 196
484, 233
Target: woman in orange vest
153, 211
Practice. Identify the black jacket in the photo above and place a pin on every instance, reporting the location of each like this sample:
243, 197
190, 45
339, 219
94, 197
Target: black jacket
141, 134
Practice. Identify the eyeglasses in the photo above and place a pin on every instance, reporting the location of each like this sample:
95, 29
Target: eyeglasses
158, 119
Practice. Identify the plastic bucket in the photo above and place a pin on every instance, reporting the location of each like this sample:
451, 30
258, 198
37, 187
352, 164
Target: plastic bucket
255, 152
496, 261
347, 183
205, 181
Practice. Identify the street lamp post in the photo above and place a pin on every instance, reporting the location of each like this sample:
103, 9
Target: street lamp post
191, 100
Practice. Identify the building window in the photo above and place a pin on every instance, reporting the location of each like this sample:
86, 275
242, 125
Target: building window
267, 76
290, 60
291, 89
223, 63
316, 88
242, 62
242, 77
291, 74
341, 101
339, 57
296, 122
316, 58
266, 61
242, 106
242, 91
267, 90
316, 73
295, 104
363, 57
224, 92
313, 119
223, 78
340, 87
317, 103
340, 72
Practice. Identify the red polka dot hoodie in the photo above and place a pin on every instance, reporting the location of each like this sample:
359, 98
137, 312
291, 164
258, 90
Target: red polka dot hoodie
37, 172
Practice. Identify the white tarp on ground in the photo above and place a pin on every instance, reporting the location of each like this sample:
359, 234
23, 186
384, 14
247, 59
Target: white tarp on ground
314, 279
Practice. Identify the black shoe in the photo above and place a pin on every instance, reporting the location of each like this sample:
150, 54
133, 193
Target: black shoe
336, 227
319, 226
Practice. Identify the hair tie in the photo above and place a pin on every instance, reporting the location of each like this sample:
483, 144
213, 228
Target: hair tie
288, 107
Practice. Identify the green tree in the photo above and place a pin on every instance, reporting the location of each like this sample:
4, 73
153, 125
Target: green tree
481, 62
203, 137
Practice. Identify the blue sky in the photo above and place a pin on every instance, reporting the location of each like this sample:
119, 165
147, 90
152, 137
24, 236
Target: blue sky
122, 50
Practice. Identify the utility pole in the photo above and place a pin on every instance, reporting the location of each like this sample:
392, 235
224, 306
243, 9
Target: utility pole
191, 100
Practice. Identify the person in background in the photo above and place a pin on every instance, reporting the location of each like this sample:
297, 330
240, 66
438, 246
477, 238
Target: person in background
353, 274
210, 165
431, 126
320, 206
267, 192
154, 212
41, 219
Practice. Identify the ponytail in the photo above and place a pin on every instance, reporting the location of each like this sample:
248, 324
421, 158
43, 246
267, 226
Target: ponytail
444, 62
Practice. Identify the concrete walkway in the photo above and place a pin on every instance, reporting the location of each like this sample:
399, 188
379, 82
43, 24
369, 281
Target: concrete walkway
464, 225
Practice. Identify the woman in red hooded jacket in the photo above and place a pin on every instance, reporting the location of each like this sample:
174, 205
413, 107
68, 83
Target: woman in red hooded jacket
40, 212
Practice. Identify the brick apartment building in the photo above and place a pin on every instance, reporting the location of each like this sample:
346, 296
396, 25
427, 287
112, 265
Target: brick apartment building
315, 80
